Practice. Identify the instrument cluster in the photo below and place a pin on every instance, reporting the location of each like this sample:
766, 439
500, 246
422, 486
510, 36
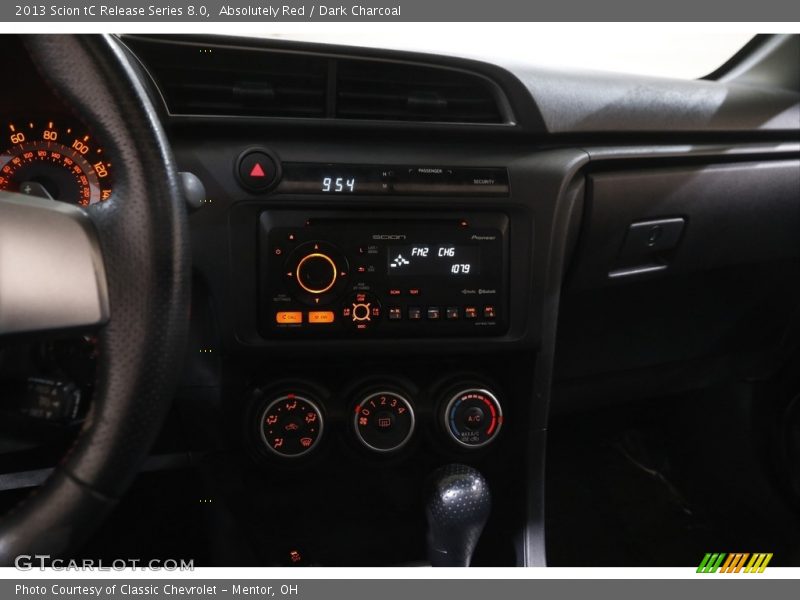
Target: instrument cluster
54, 159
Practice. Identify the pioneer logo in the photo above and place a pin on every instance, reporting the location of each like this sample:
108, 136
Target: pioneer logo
389, 236
483, 238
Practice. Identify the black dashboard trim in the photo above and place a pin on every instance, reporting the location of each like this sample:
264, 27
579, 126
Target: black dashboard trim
472, 68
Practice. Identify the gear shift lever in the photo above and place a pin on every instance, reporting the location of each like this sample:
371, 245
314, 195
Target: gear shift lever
458, 507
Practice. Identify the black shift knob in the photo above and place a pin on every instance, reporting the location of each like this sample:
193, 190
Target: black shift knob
458, 507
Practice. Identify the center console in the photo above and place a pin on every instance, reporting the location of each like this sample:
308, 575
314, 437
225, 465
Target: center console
377, 320
345, 275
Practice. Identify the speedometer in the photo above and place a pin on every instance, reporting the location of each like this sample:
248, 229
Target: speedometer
57, 162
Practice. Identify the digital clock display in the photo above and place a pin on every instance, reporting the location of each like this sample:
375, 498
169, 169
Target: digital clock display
334, 184
332, 180
433, 259
392, 180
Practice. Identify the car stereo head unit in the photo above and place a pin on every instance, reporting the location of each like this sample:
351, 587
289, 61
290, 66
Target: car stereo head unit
335, 274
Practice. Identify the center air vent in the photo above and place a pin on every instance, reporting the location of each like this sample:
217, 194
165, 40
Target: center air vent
403, 92
201, 79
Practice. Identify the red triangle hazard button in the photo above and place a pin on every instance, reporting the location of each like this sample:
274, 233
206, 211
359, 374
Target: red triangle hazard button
256, 170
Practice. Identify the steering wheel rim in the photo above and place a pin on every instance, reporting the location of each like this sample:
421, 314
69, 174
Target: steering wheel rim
143, 239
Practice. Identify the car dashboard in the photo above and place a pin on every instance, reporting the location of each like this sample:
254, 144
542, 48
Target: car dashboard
402, 261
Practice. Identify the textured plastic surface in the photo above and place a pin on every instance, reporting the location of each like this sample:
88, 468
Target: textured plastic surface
457, 510
589, 102
737, 213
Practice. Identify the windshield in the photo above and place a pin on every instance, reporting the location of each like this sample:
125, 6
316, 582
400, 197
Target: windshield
629, 48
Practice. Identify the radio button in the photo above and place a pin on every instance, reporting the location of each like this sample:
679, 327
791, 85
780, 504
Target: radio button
320, 316
433, 313
289, 317
413, 292
489, 312
414, 313
395, 313
452, 313
362, 311
470, 312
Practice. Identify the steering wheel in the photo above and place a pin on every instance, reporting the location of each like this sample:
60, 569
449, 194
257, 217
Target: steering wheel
120, 267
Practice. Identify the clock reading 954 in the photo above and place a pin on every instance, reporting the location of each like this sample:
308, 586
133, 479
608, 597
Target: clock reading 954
338, 184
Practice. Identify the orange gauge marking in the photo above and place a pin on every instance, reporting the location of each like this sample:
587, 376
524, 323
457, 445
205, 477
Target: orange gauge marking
46, 161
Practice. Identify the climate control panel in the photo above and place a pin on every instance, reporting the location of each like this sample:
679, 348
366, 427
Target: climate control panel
379, 417
384, 275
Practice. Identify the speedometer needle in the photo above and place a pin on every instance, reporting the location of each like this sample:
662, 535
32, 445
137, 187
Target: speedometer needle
31, 188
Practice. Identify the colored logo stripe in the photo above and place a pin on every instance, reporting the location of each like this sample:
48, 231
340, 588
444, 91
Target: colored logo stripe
710, 563
734, 562
758, 563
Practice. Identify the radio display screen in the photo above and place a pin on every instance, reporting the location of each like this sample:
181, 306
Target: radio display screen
433, 259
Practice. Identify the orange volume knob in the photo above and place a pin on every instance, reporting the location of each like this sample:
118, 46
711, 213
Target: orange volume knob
316, 273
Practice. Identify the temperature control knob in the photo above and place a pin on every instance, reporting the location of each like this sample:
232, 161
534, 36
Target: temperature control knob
384, 421
473, 417
291, 425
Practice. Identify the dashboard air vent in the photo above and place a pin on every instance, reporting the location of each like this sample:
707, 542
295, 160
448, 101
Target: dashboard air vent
408, 92
198, 80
